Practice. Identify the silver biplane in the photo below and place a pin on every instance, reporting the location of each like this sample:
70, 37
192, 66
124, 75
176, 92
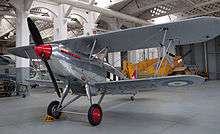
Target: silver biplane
80, 64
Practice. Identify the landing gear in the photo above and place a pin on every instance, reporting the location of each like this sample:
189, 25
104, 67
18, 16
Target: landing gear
95, 111
132, 98
52, 109
95, 114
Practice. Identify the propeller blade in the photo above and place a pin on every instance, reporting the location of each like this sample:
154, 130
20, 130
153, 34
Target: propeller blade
52, 78
34, 32
43, 51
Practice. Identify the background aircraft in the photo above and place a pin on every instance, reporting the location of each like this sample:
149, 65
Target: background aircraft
6, 60
7, 75
80, 64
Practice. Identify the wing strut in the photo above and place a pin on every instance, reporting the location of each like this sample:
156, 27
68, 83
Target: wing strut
93, 47
164, 56
162, 52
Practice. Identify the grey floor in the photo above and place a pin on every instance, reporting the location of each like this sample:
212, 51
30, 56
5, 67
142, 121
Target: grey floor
194, 110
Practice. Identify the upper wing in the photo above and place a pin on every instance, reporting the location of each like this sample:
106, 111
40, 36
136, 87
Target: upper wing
183, 32
126, 86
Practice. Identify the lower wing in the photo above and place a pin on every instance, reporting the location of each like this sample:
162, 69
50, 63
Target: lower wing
129, 86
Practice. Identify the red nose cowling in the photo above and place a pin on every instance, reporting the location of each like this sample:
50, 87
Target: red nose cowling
43, 51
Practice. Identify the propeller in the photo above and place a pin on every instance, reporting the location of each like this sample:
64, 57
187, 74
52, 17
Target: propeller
34, 32
43, 51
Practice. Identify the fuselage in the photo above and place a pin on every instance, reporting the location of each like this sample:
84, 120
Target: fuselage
82, 70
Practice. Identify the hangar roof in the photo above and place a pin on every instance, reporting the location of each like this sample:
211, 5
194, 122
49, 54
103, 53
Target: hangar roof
144, 9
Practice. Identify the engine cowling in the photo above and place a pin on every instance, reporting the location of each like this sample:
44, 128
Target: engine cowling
43, 51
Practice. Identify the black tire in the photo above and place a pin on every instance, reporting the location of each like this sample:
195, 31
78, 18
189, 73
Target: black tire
132, 98
51, 109
95, 114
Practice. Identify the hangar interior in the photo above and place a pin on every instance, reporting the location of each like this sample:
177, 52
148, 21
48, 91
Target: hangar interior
66, 19
153, 12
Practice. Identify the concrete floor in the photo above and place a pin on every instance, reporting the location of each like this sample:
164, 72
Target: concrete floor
194, 110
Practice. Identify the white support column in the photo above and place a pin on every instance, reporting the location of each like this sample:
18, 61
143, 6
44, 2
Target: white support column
22, 39
60, 24
89, 27
116, 56
22, 36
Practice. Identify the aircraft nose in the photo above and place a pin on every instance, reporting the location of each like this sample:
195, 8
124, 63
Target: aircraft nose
43, 51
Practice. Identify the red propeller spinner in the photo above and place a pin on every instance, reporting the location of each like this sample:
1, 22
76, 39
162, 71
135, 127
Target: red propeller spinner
43, 51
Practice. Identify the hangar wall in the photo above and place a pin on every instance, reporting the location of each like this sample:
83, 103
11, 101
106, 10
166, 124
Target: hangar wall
196, 56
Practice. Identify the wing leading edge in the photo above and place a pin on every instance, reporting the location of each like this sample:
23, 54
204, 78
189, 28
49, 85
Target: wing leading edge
124, 86
183, 32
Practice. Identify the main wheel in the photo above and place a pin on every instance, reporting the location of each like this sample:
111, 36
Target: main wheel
52, 109
132, 98
95, 115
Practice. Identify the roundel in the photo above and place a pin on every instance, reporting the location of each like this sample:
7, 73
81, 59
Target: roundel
178, 83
